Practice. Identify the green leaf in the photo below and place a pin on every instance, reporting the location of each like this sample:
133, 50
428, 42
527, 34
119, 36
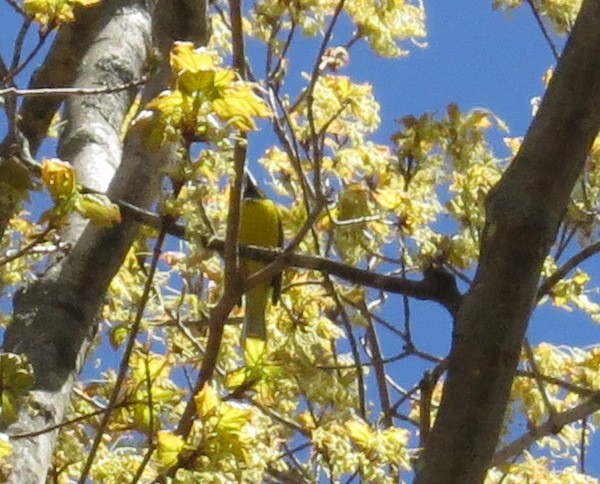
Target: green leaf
169, 448
98, 208
207, 401
59, 178
118, 334
16, 379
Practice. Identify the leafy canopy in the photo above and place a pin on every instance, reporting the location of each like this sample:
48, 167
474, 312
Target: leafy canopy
318, 401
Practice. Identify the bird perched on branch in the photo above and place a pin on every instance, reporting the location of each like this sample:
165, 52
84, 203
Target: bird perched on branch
260, 225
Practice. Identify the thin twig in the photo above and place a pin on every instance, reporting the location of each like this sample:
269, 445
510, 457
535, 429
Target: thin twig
435, 373
3, 68
378, 364
568, 235
17, 69
124, 366
317, 148
538, 380
545, 32
291, 145
26, 248
570, 387
360, 377
550, 427
406, 302
582, 446
426, 387
16, 7
72, 91
19, 40
151, 445
68, 423
367, 364
567, 267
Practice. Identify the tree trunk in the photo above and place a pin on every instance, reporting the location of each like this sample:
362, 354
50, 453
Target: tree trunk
523, 214
54, 319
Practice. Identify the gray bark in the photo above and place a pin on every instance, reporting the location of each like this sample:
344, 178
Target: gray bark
54, 319
523, 212
58, 70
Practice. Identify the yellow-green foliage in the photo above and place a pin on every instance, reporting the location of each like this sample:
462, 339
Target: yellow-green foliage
562, 13
309, 402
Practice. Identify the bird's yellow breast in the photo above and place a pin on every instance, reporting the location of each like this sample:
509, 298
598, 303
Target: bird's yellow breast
259, 225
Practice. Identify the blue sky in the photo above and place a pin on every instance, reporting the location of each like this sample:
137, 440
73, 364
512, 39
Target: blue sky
476, 58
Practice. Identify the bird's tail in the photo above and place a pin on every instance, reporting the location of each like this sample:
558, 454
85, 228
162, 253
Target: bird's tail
256, 306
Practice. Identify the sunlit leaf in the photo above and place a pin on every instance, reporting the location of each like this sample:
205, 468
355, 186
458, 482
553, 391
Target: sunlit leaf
254, 351
59, 178
207, 401
239, 105
16, 379
359, 432
169, 447
51, 13
99, 209
232, 419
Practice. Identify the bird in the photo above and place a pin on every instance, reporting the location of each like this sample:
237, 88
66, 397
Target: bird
260, 225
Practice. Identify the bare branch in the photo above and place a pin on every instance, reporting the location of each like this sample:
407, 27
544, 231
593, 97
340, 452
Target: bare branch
64, 91
567, 267
571, 387
378, 364
437, 284
543, 28
550, 427
25, 248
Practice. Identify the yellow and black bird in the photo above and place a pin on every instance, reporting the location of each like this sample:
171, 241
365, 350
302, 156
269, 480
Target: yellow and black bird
260, 225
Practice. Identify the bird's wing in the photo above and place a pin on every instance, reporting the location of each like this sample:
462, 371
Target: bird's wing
277, 279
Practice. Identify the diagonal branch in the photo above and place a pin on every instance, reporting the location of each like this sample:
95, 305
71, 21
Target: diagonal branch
567, 267
551, 427
437, 285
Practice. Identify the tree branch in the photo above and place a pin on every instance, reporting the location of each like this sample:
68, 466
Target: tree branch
567, 267
437, 285
552, 426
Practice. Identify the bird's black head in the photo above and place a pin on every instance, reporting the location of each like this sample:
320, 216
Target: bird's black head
250, 189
